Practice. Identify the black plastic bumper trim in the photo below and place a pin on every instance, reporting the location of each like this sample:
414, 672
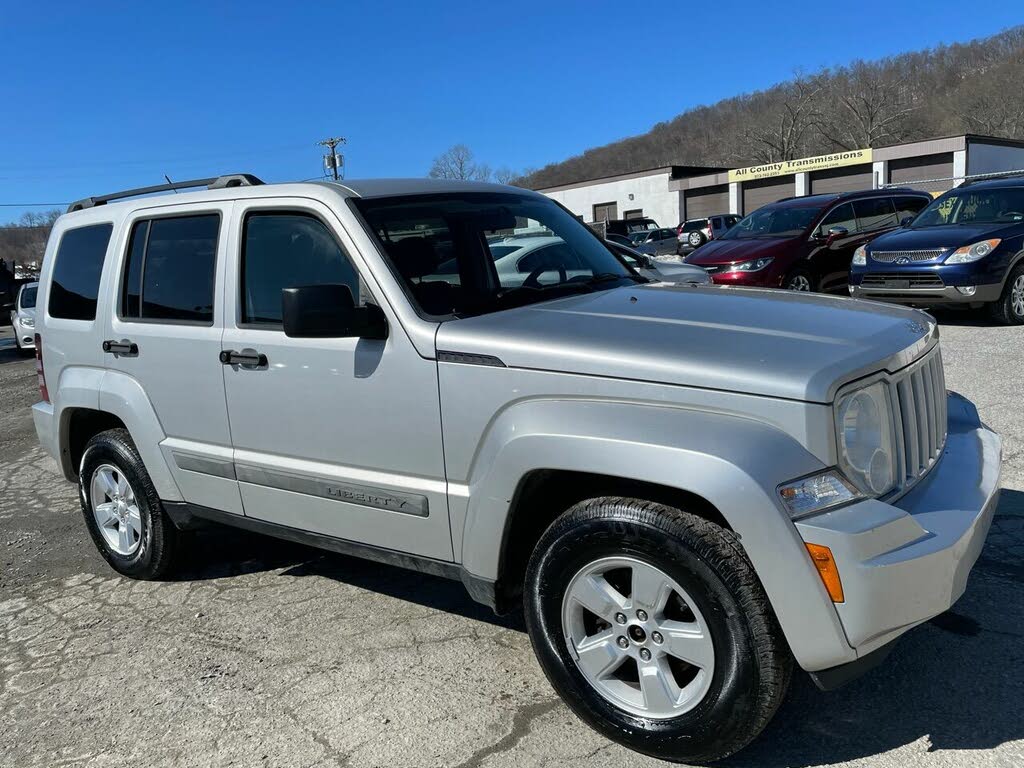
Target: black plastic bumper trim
836, 677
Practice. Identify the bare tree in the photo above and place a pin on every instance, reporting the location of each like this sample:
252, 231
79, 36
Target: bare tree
457, 163
866, 106
505, 175
782, 133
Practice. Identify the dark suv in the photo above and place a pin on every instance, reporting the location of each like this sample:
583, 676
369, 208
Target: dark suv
805, 243
967, 247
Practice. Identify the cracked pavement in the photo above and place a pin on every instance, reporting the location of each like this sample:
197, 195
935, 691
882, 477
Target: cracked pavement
266, 653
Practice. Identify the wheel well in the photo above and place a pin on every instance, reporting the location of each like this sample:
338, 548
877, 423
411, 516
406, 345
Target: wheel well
83, 424
544, 494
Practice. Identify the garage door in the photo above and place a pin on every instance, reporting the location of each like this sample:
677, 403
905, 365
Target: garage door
852, 179
707, 201
910, 169
764, 191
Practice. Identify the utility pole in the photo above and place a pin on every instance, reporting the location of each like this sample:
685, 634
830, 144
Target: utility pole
332, 160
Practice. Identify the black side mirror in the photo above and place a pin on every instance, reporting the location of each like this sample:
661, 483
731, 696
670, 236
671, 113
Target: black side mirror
329, 311
905, 221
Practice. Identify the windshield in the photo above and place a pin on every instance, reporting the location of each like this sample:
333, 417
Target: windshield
1002, 205
28, 297
773, 222
443, 248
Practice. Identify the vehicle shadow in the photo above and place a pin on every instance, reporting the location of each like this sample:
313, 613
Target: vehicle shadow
9, 351
956, 683
964, 318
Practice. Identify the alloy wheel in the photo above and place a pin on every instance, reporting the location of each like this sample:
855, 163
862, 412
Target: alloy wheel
799, 283
116, 510
637, 637
1017, 296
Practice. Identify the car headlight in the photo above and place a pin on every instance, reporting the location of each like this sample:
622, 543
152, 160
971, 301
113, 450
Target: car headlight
754, 265
970, 253
864, 427
817, 493
860, 257
28, 322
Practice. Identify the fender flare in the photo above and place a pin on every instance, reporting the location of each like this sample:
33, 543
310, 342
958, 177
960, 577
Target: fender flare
733, 462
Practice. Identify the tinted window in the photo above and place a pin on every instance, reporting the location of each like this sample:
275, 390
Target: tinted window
771, 221
909, 206
875, 213
285, 250
28, 297
170, 270
840, 216
694, 225
76, 274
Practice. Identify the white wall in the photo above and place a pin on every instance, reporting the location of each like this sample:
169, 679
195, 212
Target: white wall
651, 193
993, 158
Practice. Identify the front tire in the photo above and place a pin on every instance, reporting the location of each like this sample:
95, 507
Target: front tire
122, 510
800, 280
1009, 309
653, 627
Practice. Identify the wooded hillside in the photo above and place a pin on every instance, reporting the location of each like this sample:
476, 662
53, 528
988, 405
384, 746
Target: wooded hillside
974, 87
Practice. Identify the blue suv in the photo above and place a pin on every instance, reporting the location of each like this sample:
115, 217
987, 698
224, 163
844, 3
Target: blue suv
966, 247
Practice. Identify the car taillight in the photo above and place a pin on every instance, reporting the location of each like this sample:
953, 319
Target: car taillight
44, 395
679, 230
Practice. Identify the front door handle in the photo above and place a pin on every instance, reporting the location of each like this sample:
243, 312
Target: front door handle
123, 347
248, 358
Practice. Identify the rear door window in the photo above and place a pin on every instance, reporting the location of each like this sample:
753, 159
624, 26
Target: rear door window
76, 273
171, 267
875, 213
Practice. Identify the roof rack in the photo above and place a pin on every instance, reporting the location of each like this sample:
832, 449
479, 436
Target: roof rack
1001, 175
217, 182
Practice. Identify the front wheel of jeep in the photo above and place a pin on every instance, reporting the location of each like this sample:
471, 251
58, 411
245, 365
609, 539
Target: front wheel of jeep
653, 627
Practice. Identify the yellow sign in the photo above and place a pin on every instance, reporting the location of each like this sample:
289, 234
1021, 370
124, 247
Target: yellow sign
784, 167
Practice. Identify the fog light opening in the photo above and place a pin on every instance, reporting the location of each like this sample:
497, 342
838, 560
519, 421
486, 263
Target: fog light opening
822, 558
967, 290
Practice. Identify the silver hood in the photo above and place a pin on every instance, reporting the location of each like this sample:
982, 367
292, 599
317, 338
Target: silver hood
763, 342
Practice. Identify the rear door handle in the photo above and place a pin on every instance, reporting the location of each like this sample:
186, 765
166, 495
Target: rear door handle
248, 358
123, 347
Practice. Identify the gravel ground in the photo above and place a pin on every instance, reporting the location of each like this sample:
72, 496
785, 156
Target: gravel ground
262, 653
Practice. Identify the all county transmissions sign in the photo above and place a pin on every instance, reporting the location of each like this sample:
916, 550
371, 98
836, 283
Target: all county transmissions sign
819, 163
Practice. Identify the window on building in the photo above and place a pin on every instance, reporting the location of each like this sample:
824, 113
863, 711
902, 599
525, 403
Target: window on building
283, 250
606, 211
875, 213
636, 213
76, 273
170, 272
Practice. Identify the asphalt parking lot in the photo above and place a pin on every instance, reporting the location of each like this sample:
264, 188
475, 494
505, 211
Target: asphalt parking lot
263, 653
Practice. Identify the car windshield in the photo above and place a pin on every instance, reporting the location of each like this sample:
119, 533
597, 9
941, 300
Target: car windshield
1001, 205
440, 245
773, 222
28, 297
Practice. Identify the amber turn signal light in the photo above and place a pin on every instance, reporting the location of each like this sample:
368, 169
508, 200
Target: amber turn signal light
822, 558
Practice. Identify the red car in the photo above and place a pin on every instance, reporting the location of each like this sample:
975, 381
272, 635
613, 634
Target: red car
805, 243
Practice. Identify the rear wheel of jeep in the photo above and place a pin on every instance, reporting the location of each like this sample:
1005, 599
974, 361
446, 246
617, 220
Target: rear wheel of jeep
653, 627
122, 510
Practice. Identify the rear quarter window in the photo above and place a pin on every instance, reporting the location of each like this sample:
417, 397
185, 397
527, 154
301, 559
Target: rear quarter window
78, 265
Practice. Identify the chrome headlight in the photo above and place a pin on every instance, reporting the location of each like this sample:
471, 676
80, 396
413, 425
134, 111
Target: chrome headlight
27, 322
754, 265
974, 252
864, 427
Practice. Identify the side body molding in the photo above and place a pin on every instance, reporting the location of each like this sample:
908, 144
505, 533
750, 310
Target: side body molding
731, 461
123, 396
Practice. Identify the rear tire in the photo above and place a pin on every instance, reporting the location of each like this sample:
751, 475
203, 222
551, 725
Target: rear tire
696, 239
122, 510
723, 698
1009, 308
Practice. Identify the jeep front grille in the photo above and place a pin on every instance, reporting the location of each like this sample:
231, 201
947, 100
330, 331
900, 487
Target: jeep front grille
921, 412
890, 257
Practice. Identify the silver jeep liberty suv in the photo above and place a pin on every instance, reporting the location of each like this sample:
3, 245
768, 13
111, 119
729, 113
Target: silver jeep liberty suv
690, 490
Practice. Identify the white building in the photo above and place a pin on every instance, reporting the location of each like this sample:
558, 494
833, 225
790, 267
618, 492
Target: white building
675, 193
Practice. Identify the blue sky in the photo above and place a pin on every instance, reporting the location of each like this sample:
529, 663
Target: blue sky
100, 96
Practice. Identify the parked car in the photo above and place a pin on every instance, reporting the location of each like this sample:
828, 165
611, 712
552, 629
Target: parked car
690, 491
664, 271
627, 226
620, 239
23, 317
966, 248
805, 243
657, 242
693, 233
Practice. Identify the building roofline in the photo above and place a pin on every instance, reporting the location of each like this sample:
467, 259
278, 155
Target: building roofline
674, 171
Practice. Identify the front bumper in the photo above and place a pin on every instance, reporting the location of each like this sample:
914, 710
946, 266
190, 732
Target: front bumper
904, 562
927, 297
